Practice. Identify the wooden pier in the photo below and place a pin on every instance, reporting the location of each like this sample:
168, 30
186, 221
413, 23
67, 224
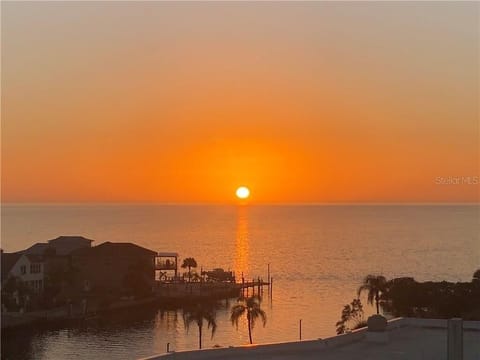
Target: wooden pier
216, 284
256, 287
187, 292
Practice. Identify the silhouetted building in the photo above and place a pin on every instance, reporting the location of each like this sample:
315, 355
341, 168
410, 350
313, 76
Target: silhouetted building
34, 265
64, 245
61, 246
36, 249
113, 269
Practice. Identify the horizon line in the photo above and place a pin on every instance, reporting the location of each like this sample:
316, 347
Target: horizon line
144, 203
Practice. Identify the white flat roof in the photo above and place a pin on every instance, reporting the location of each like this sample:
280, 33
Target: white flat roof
408, 339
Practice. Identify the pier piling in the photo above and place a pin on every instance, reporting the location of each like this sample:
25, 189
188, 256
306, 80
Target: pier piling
271, 288
268, 273
300, 329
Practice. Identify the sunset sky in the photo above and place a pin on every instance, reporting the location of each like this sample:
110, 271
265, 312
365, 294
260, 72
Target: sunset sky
184, 102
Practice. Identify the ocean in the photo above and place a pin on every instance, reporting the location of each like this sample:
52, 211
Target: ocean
318, 256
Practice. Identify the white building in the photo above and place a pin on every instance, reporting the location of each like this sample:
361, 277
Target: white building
29, 265
403, 339
30, 269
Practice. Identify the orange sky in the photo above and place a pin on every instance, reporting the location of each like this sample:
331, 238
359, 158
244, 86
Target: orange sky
184, 102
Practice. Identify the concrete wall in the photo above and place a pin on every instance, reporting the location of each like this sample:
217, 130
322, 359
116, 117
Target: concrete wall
265, 349
439, 323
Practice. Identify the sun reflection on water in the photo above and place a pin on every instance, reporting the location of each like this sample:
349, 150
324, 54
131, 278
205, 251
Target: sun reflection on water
242, 244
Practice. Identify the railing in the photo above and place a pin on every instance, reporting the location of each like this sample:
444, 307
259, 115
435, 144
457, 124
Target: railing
165, 266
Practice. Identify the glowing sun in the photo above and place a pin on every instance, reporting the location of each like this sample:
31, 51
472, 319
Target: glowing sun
243, 192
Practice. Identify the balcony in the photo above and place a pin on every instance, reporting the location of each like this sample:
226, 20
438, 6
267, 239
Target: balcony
165, 265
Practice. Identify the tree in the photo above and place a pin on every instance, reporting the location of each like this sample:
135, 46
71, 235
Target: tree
189, 263
251, 307
443, 300
374, 285
476, 276
197, 314
352, 314
16, 293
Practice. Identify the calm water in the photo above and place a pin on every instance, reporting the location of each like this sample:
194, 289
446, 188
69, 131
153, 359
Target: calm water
318, 256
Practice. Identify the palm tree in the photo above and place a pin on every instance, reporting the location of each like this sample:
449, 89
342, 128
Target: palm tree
352, 314
374, 285
250, 306
197, 314
189, 263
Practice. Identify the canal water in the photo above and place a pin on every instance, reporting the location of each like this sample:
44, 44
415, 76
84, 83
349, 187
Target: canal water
318, 255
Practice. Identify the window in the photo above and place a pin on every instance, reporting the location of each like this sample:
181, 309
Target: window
86, 285
35, 268
23, 269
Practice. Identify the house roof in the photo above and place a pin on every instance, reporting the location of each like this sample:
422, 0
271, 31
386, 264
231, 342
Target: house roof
115, 248
8, 261
168, 254
68, 238
63, 245
36, 249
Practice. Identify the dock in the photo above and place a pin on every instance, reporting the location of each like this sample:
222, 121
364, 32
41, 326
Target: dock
257, 285
188, 292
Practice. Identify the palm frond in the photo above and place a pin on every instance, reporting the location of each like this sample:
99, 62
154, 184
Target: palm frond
256, 313
263, 316
187, 320
198, 313
250, 306
362, 288
373, 285
236, 313
211, 323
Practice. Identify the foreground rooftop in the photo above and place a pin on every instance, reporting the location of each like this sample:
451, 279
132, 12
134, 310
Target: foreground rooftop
408, 339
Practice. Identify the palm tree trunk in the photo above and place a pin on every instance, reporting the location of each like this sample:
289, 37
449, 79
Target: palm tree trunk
199, 337
376, 303
249, 328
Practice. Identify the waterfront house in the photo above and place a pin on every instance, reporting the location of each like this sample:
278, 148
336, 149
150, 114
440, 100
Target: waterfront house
165, 263
33, 265
29, 269
113, 269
